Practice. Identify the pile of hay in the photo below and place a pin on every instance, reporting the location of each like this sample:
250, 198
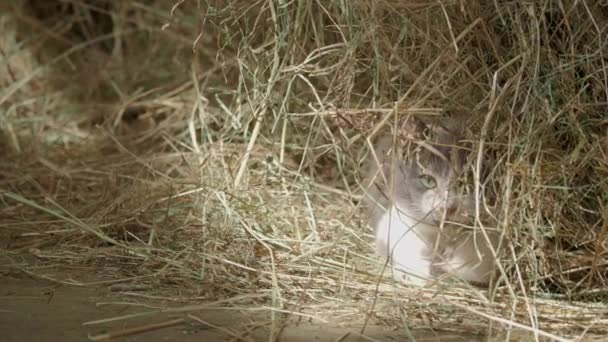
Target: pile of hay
213, 152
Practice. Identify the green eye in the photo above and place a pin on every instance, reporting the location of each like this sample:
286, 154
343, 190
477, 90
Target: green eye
428, 181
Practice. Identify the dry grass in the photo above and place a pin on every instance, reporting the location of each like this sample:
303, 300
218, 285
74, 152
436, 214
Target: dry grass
229, 177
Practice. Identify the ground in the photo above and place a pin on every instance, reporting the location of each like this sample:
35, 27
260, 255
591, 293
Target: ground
34, 309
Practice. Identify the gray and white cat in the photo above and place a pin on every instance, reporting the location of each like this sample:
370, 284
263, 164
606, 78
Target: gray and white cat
412, 194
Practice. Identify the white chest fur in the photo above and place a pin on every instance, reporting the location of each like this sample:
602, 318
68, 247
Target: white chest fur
408, 243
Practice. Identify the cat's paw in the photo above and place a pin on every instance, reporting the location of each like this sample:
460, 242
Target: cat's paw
408, 278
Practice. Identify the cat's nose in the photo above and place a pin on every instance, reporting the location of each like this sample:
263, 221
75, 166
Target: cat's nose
451, 210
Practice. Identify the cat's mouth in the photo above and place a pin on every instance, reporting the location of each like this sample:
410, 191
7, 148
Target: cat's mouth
450, 216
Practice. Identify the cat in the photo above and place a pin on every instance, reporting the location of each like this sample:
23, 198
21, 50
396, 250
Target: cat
413, 193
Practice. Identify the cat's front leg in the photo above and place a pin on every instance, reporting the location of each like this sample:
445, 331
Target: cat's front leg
411, 268
408, 252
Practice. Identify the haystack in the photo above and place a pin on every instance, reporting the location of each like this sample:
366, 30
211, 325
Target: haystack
212, 151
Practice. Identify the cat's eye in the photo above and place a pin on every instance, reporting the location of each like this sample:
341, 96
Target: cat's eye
428, 181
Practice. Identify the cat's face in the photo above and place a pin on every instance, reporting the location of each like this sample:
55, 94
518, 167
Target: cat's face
428, 183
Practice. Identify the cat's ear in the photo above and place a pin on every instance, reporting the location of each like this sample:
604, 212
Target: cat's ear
449, 126
450, 130
413, 127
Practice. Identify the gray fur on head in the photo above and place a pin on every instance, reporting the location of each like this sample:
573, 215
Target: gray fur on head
420, 174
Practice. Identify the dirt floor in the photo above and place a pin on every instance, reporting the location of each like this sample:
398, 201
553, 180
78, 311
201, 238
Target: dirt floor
33, 309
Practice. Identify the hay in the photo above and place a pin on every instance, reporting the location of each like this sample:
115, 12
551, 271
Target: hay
231, 179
